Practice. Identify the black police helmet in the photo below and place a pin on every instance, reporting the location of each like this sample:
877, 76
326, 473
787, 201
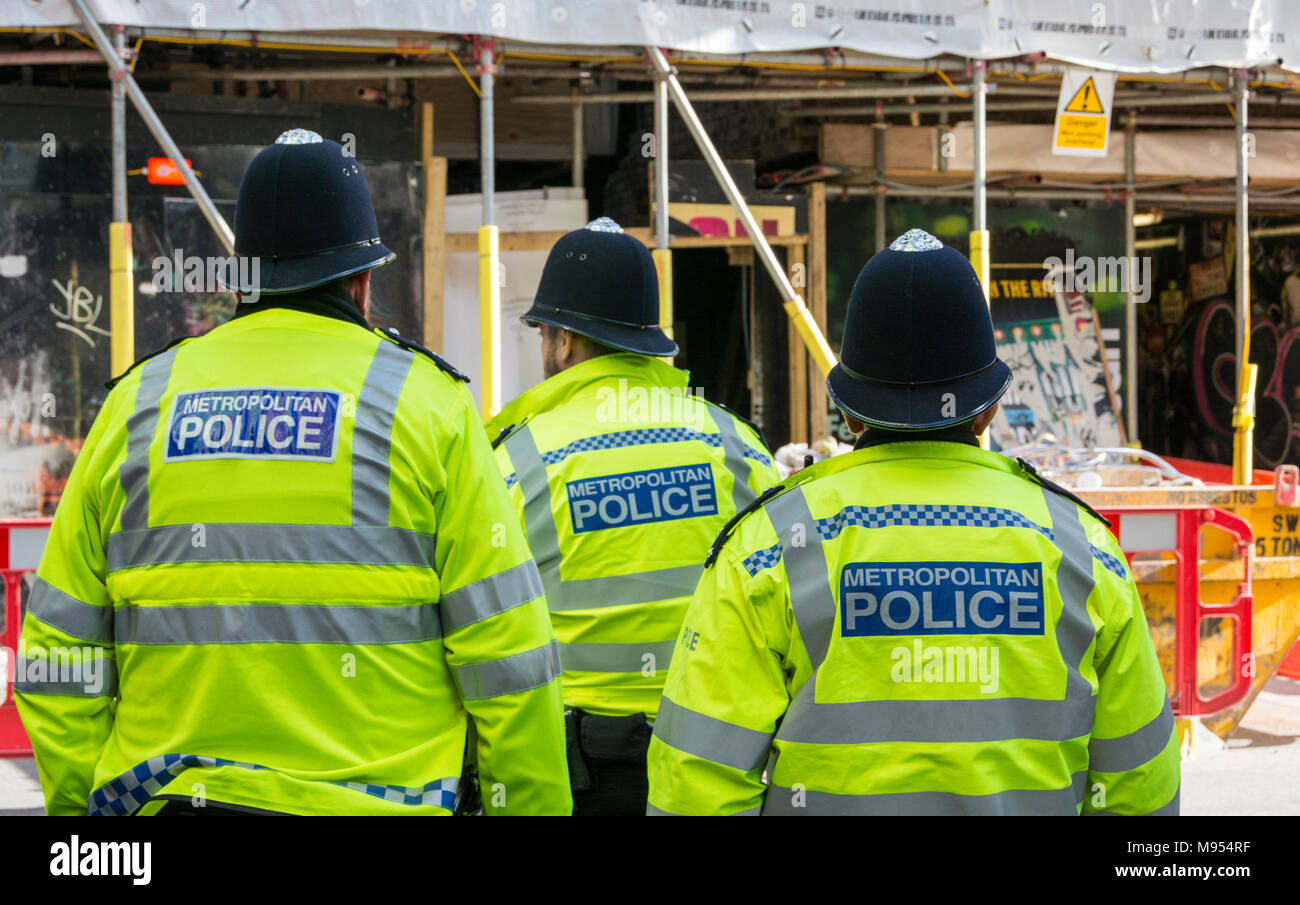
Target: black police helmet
305, 215
918, 349
601, 283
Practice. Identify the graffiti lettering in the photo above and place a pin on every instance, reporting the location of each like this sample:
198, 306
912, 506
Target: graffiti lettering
81, 310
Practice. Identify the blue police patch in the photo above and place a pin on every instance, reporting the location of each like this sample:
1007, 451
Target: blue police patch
254, 423
638, 497
941, 598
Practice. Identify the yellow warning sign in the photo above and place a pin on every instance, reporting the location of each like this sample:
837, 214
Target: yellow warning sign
1085, 100
1082, 132
1083, 112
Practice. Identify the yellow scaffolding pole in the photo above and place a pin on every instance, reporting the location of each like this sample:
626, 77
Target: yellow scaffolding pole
121, 298
489, 313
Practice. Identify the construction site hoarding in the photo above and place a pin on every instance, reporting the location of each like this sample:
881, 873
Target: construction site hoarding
1155, 36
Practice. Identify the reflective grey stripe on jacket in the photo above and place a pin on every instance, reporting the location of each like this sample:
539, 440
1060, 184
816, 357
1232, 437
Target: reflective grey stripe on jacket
274, 623
75, 672
733, 449
508, 675
712, 739
372, 433
632, 657
544, 539
141, 426
990, 720
1128, 752
258, 543
69, 615
490, 596
781, 801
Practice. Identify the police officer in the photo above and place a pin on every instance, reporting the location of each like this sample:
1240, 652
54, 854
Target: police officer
622, 474
273, 574
919, 626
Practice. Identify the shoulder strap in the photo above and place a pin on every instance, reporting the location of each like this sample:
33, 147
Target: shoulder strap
109, 384
745, 421
393, 336
505, 432
755, 504
1033, 475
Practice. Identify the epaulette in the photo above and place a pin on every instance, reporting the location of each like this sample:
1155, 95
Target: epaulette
732, 522
392, 335
758, 432
1043, 482
505, 432
797, 479
112, 382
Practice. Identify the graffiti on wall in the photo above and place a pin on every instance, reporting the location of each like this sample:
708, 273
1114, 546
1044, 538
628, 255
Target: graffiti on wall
1277, 390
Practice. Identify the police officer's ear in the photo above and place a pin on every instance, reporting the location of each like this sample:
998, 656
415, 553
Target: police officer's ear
360, 288
984, 419
855, 426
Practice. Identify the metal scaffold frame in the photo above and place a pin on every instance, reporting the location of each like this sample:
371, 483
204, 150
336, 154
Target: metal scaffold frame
668, 88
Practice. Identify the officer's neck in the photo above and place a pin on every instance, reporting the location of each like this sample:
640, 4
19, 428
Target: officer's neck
330, 300
957, 433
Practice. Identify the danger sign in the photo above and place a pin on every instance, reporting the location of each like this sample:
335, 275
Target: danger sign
1083, 113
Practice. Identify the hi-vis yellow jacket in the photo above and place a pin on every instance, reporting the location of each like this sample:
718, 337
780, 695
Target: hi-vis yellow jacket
622, 478
915, 628
272, 582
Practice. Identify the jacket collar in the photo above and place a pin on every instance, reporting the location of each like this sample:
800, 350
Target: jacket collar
906, 451
875, 436
325, 301
586, 379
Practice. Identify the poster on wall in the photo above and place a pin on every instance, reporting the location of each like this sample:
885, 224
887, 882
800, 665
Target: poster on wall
1060, 389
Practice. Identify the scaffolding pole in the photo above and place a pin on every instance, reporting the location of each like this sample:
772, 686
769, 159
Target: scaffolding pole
979, 234
663, 255
1130, 254
121, 291
489, 243
121, 73
1244, 412
878, 158
794, 305
579, 143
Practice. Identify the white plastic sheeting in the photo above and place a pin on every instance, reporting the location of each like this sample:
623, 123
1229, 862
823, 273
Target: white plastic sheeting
1129, 35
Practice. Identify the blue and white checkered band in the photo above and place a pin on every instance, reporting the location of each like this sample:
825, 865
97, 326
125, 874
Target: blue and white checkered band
604, 225
915, 240
299, 137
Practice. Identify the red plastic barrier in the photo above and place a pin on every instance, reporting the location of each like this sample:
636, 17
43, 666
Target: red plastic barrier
1179, 532
21, 542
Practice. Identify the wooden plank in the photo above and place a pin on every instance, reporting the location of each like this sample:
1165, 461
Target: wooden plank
532, 240
798, 355
799, 239
434, 232
523, 131
426, 130
816, 300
